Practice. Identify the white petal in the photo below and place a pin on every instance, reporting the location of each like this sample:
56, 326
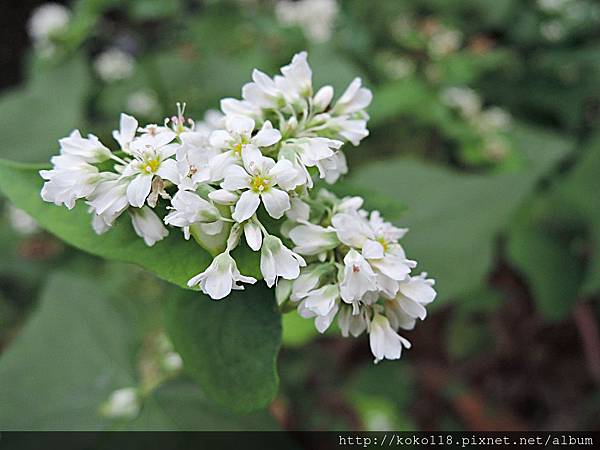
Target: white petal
372, 249
276, 202
246, 206
138, 189
168, 171
266, 136
223, 197
235, 178
240, 124
253, 235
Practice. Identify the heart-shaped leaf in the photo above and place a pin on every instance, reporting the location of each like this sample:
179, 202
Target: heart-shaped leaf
230, 346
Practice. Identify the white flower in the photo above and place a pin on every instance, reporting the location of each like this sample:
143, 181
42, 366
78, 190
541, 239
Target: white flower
322, 323
193, 159
143, 103
332, 168
189, 208
147, 225
70, 178
260, 179
354, 99
321, 301
353, 130
277, 260
322, 98
236, 138
89, 149
128, 126
311, 239
351, 324
315, 17
308, 280
274, 93
414, 293
220, 277
47, 21
384, 341
358, 277
122, 404
465, 99
149, 161
114, 65
20, 221
108, 201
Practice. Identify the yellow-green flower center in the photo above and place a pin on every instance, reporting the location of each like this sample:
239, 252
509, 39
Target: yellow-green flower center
383, 243
151, 165
260, 183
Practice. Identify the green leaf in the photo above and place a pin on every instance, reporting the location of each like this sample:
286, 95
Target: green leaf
552, 270
75, 350
78, 347
181, 405
172, 259
229, 346
34, 117
455, 217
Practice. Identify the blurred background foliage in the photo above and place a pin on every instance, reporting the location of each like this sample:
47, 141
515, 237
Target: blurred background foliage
484, 141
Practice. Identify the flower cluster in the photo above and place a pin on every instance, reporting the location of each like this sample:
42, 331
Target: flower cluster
247, 173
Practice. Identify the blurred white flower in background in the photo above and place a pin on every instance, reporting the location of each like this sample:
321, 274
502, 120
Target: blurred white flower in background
142, 103
465, 99
122, 404
20, 221
45, 22
114, 65
315, 17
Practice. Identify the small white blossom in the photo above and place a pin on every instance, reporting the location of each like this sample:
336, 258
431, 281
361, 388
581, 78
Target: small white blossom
114, 65
147, 225
220, 277
384, 341
21, 222
108, 201
277, 260
188, 208
45, 23
260, 179
315, 17
122, 404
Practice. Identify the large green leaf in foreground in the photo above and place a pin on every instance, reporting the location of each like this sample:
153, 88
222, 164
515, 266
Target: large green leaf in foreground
229, 346
172, 259
77, 348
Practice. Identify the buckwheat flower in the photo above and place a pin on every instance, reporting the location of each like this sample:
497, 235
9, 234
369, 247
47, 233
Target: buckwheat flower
149, 162
322, 98
108, 201
125, 135
321, 301
354, 99
315, 17
46, 22
147, 225
311, 151
309, 279
350, 323
384, 341
21, 222
322, 323
70, 178
414, 293
235, 107
311, 239
143, 103
260, 178
274, 93
89, 149
193, 159
358, 277
464, 99
276, 260
122, 404
220, 277
114, 65
331, 169
188, 208
351, 129
236, 138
